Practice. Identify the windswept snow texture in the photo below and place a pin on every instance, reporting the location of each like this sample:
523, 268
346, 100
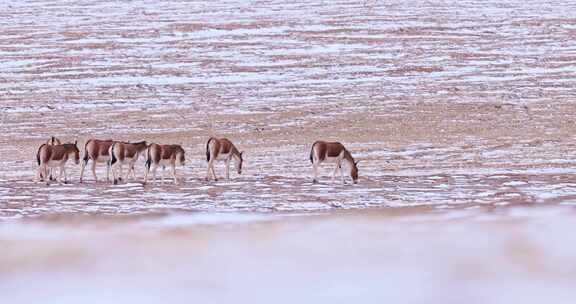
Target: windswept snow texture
443, 102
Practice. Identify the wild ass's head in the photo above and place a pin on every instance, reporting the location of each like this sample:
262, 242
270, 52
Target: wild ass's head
354, 171
73, 149
180, 156
239, 162
353, 166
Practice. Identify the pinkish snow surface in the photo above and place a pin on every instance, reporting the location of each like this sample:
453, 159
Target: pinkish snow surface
460, 112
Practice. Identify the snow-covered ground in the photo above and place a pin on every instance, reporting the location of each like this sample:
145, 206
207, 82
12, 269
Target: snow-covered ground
475, 256
460, 112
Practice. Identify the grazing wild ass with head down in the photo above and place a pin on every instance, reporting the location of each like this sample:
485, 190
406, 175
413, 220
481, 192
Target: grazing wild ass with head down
52, 141
56, 156
222, 149
163, 155
332, 152
97, 151
121, 153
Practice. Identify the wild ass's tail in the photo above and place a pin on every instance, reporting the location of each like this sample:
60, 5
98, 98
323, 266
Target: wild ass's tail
312, 152
208, 149
38, 159
38, 154
86, 157
113, 158
148, 158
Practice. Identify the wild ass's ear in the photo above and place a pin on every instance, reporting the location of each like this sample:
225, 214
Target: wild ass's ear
241, 153
75, 142
356, 163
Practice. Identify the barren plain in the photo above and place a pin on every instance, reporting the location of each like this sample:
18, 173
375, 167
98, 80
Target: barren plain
460, 112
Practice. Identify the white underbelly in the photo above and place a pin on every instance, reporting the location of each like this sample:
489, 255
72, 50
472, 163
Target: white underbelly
103, 158
332, 159
222, 156
164, 162
55, 163
128, 160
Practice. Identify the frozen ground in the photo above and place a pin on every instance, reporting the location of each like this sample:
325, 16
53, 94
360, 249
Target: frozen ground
461, 110
418, 256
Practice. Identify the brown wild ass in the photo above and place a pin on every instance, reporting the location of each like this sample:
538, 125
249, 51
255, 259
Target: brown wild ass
163, 155
332, 152
52, 141
124, 153
97, 151
56, 156
222, 149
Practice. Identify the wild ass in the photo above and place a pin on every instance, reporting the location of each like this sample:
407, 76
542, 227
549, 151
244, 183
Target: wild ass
222, 149
52, 141
332, 152
163, 155
97, 151
56, 156
121, 153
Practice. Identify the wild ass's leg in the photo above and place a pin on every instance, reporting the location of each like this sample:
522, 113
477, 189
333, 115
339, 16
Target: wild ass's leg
61, 171
214, 173
65, 174
174, 174
228, 168
45, 173
154, 173
342, 175
114, 169
108, 172
39, 172
338, 163
146, 171
133, 166
211, 169
130, 169
119, 171
208, 172
118, 174
84, 163
94, 170
315, 171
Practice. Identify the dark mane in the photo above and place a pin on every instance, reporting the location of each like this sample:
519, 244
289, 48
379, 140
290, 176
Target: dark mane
348, 155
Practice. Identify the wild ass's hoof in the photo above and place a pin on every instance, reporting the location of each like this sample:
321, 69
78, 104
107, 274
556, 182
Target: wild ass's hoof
314, 181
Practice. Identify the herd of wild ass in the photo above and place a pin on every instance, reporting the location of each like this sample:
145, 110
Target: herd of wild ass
115, 154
